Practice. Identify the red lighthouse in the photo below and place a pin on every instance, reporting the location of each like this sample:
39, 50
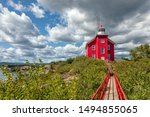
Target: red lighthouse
101, 47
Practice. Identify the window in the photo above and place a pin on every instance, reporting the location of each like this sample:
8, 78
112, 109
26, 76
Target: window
108, 56
102, 50
93, 55
108, 47
102, 41
93, 47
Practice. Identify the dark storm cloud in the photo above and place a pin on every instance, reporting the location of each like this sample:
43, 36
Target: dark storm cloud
112, 10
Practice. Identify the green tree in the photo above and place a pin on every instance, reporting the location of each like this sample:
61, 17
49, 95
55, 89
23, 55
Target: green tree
140, 52
70, 60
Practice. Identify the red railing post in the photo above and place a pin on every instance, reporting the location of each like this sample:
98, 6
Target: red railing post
100, 92
120, 91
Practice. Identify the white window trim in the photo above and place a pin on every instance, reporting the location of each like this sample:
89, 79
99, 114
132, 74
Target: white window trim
108, 47
103, 52
108, 56
93, 47
102, 41
93, 55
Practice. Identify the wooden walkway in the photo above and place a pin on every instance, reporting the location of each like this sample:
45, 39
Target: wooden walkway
111, 90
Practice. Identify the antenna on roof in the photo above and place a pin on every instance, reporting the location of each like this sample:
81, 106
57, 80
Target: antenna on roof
100, 28
98, 21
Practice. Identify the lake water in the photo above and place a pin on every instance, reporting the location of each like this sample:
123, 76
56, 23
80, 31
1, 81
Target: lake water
2, 77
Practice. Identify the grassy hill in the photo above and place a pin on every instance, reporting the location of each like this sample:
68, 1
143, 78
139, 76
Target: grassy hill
76, 78
72, 79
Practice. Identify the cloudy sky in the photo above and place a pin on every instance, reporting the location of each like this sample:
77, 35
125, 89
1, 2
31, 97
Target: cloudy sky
54, 30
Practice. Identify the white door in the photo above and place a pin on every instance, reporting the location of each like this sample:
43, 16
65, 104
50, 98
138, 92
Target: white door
102, 58
93, 55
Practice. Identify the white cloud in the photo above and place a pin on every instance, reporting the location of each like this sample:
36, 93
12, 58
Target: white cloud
131, 32
28, 44
78, 27
127, 22
49, 53
128, 25
126, 53
37, 11
18, 30
17, 6
16, 55
134, 29
34, 8
79, 21
127, 46
62, 34
69, 49
1, 7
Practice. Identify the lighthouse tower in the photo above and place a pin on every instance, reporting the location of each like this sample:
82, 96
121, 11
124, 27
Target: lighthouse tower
100, 47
